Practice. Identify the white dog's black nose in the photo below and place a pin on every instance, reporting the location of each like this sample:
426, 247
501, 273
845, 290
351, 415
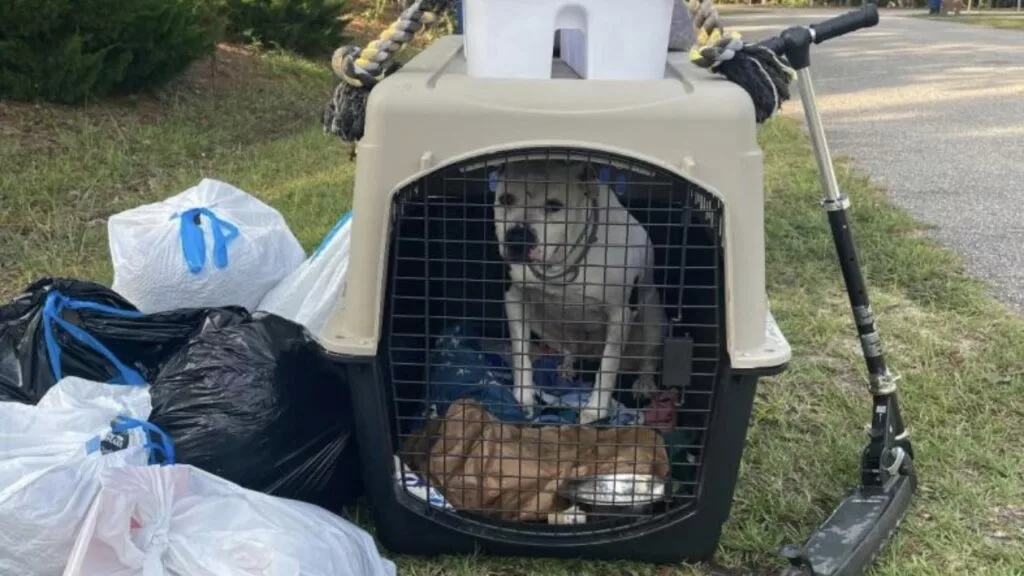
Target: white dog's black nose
519, 240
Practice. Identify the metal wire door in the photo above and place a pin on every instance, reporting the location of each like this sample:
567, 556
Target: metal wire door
553, 337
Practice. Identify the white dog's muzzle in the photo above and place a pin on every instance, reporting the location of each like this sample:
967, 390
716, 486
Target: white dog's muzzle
565, 271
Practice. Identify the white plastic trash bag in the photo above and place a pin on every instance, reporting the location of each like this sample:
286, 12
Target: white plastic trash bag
51, 455
186, 522
212, 245
309, 294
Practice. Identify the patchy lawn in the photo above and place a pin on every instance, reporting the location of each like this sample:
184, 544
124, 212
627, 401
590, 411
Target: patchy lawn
249, 120
254, 121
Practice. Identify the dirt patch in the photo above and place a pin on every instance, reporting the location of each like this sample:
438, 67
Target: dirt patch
361, 29
28, 127
1007, 524
228, 69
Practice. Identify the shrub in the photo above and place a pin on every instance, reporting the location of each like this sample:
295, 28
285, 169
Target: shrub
307, 27
72, 50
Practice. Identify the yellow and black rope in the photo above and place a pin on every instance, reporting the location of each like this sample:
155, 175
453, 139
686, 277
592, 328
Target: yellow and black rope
361, 68
364, 67
756, 69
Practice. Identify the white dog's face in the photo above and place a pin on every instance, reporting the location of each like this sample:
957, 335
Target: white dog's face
541, 206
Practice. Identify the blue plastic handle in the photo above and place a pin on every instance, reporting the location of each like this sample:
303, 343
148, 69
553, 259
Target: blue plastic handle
53, 308
332, 233
193, 242
165, 448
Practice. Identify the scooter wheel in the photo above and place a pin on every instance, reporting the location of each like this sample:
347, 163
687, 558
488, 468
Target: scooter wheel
797, 564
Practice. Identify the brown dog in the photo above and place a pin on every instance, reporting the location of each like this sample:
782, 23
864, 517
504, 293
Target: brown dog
954, 6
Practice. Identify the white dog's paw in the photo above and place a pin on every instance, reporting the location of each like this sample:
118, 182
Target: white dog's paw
593, 412
645, 388
527, 408
525, 398
591, 415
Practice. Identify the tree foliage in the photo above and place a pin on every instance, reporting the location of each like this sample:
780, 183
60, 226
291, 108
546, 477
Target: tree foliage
307, 27
69, 51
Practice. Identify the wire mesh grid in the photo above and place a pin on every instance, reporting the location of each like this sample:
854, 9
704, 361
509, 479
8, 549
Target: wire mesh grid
554, 330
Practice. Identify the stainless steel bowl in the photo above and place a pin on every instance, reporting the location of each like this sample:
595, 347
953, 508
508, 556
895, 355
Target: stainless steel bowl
623, 492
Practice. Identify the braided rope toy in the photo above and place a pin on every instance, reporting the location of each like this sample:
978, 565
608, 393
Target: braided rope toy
360, 69
756, 69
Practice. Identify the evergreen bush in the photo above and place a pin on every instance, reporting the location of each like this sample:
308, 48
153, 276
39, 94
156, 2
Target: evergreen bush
307, 27
69, 51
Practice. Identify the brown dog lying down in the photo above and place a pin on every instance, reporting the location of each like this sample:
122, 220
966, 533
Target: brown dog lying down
954, 6
488, 467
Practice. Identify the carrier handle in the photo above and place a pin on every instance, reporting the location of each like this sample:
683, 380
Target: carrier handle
795, 42
193, 243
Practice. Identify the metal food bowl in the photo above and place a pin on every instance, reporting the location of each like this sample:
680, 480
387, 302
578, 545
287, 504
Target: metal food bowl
616, 493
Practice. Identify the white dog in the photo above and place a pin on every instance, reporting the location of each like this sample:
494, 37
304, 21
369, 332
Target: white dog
582, 278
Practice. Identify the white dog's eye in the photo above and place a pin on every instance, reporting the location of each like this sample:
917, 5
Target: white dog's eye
553, 206
507, 199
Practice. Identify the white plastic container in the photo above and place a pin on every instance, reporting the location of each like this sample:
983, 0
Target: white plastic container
620, 40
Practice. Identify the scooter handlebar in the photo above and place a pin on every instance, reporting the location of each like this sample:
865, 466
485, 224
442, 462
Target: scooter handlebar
794, 42
865, 17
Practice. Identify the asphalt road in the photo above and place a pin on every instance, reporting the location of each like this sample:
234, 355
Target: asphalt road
934, 112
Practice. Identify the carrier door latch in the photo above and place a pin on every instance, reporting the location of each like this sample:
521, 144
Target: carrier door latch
677, 363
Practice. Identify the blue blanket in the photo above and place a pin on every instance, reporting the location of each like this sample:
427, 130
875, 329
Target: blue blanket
460, 368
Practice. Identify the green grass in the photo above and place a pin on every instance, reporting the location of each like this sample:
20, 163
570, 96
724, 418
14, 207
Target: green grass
63, 171
1009, 21
249, 121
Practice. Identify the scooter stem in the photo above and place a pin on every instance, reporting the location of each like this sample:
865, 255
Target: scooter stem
826, 171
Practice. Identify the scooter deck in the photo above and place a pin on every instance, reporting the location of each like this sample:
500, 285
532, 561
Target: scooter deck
847, 542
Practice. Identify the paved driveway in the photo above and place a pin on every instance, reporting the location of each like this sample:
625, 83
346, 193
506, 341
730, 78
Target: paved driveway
934, 111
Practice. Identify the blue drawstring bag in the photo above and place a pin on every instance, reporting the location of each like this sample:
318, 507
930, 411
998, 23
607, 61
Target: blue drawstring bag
210, 246
64, 327
52, 455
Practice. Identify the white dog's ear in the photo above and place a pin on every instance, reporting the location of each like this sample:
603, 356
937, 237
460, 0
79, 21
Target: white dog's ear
587, 177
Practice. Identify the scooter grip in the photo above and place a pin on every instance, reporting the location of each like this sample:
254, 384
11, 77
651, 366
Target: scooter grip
865, 17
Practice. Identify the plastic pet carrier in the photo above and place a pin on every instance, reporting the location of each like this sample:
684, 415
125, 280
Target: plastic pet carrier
555, 314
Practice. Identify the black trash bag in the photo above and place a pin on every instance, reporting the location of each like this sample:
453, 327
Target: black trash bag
65, 327
259, 405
